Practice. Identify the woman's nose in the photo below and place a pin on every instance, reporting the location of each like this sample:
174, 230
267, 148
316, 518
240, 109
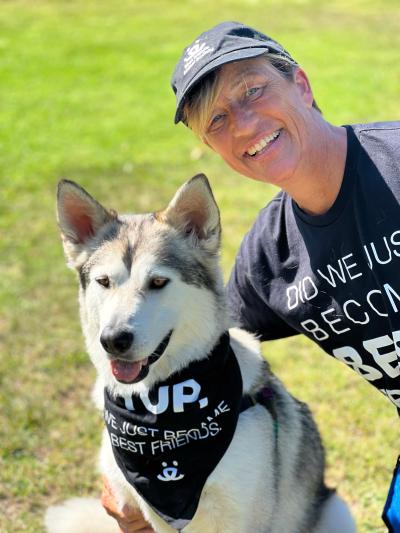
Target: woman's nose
242, 120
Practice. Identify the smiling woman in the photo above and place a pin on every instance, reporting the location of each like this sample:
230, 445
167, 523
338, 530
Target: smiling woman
339, 191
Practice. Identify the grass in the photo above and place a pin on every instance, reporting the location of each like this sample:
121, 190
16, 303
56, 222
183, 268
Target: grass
85, 95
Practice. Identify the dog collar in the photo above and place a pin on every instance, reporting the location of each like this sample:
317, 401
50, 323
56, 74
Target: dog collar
169, 440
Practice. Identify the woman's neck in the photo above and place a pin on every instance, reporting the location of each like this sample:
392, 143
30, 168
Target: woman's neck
318, 182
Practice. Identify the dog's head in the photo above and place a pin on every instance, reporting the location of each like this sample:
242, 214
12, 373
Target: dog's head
150, 285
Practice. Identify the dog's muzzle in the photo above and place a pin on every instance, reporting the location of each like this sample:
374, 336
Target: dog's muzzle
116, 341
127, 371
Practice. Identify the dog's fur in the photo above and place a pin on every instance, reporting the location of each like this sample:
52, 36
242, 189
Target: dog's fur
263, 483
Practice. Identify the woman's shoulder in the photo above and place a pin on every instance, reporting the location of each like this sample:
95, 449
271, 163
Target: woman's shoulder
369, 134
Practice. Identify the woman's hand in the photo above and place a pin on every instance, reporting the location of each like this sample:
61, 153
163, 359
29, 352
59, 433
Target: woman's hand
130, 520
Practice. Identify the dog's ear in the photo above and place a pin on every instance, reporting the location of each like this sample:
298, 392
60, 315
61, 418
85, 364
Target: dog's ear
80, 217
194, 212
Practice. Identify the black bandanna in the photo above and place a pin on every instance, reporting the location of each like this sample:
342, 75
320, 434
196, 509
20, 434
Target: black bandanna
168, 442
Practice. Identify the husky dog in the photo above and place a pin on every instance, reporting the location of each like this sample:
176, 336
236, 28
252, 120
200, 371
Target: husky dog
200, 435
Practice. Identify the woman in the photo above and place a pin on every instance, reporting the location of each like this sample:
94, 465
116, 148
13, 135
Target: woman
322, 258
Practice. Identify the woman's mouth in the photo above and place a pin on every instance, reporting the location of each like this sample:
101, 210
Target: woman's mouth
263, 144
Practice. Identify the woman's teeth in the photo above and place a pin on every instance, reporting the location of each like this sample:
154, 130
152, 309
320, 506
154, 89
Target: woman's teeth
253, 150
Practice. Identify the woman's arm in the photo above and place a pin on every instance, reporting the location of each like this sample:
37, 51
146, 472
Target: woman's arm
130, 520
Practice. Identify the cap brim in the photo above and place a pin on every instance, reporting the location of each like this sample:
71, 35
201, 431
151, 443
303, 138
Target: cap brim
236, 55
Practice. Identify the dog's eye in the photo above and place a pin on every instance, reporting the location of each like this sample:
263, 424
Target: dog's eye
104, 281
158, 283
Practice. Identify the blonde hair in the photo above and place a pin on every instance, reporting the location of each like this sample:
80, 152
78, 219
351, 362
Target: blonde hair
199, 103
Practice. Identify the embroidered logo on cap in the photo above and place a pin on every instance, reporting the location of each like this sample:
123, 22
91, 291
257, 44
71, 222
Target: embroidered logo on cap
194, 53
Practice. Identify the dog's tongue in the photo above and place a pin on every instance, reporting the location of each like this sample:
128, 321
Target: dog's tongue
125, 370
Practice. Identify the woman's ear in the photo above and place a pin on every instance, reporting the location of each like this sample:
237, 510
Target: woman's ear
303, 84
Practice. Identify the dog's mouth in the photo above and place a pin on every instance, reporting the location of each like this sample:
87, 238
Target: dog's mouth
134, 371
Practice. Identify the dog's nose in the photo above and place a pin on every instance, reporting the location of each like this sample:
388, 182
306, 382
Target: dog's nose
116, 341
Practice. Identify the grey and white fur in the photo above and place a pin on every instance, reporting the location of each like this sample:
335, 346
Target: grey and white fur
153, 273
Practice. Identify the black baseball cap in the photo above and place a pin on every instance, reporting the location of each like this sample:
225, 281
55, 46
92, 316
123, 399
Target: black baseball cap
224, 43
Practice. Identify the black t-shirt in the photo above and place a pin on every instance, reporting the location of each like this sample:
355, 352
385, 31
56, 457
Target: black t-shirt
334, 277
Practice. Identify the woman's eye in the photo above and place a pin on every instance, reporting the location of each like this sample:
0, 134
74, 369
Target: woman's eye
216, 118
215, 121
253, 91
104, 281
158, 283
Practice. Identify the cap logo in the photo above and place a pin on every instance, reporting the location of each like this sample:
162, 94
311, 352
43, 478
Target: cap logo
194, 53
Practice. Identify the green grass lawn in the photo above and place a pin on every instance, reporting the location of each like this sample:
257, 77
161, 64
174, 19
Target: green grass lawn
85, 95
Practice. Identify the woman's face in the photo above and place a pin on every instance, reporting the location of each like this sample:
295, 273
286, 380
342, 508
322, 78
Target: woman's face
259, 121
